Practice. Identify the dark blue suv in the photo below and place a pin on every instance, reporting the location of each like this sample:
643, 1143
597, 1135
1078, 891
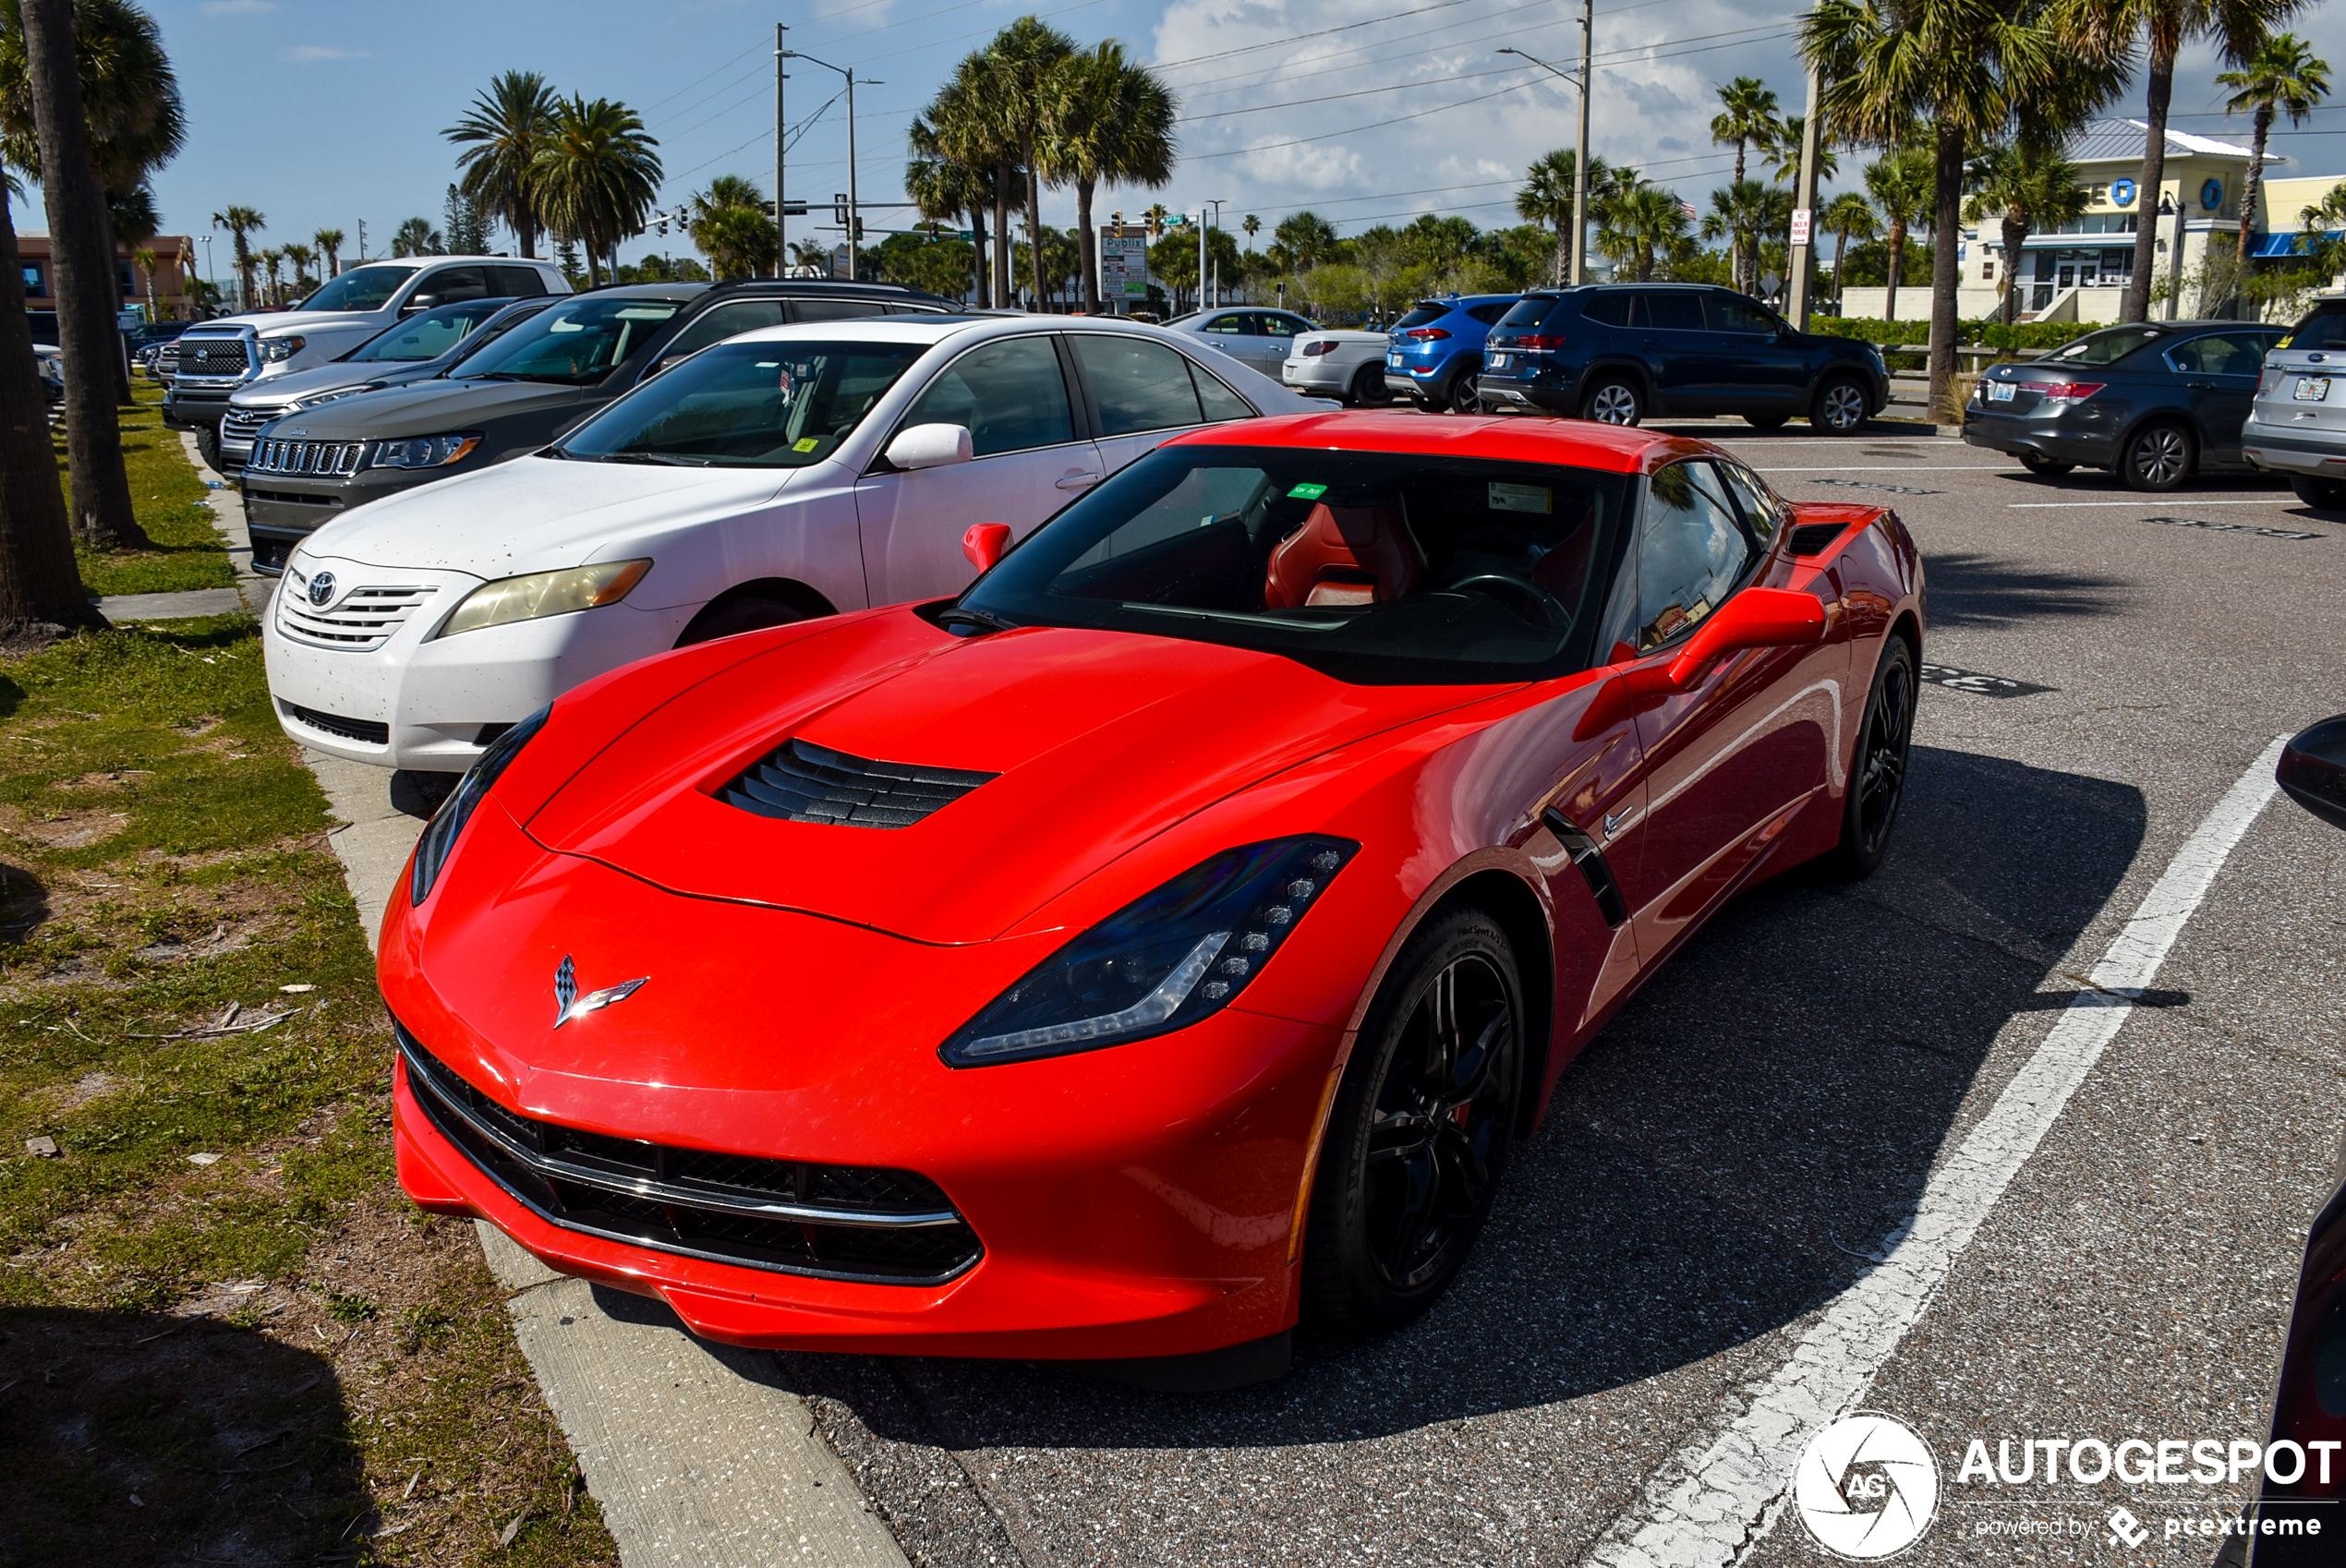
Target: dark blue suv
1432, 354
1620, 353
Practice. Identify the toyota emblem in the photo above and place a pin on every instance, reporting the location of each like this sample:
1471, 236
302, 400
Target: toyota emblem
321, 589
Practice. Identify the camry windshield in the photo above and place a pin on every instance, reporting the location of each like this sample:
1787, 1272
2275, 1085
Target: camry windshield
361, 289
575, 343
426, 336
747, 404
1375, 568
2107, 348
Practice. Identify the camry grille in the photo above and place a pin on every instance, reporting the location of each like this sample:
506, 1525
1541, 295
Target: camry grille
791, 1216
362, 620
800, 782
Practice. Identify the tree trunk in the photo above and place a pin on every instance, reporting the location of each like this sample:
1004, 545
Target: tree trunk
2136, 307
1897, 267
2255, 179
88, 296
525, 235
2015, 236
38, 578
978, 259
114, 356
1840, 247
1002, 235
1945, 231
1088, 262
1034, 228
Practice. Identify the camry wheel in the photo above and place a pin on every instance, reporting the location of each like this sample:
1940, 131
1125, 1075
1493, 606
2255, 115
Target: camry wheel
1878, 771
2158, 457
1420, 1130
1369, 389
2328, 494
2037, 462
731, 618
1613, 401
1840, 408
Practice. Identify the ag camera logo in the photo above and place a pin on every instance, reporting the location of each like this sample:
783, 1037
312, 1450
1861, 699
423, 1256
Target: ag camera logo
1867, 1487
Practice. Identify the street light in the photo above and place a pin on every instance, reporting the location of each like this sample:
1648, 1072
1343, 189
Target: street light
1207, 233
854, 209
1580, 158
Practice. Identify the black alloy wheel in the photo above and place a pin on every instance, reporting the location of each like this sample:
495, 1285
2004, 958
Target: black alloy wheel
2037, 462
1464, 398
731, 618
1878, 770
1840, 408
1614, 400
1420, 1134
2158, 457
1367, 390
2329, 495
1766, 421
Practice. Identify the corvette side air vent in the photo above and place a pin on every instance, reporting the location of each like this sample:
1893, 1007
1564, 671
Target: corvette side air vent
1809, 538
800, 782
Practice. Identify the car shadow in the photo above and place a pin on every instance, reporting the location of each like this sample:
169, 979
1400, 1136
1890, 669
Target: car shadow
1987, 590
1712, 1168
127, 1430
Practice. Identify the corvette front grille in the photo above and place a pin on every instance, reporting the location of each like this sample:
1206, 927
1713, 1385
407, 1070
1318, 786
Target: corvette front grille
800, 782
856, 1223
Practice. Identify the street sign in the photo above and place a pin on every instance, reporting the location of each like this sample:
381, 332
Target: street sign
1802, 222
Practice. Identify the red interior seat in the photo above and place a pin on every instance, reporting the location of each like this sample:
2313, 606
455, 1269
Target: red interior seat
1344, 555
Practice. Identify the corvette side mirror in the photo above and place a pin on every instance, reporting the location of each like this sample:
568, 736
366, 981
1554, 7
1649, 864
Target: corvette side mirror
930, 446
2313, 770
982, 543
1756, 618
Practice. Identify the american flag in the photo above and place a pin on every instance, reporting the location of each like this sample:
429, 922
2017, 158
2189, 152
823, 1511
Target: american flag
1692, 212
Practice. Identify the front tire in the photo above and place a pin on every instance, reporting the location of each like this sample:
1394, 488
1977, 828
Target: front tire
1614, 400
2329, 495
731, 618
1421, 1127
208, 447
2158, 458
1878, 770
1840, 408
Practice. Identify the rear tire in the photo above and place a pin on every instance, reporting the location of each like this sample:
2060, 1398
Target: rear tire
2329, 495
2037, 462
1840, 407
1368, 389
1877, 767
1614, 400
1419, 1136
731, 618
1463, 398
2158, 458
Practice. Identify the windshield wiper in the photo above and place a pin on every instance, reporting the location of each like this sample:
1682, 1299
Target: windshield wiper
984, 620
658, 459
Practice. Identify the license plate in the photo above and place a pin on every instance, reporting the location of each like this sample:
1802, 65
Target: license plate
2312, 389
1498, 362
1999, 391
1394, 360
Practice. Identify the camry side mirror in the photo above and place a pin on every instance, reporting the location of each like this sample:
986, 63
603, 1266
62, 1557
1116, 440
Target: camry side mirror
984, 543
2313, 769
930, 446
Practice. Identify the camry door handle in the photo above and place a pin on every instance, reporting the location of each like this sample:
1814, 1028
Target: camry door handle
1076, 478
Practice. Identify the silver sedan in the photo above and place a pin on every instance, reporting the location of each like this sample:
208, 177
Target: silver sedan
1346, 366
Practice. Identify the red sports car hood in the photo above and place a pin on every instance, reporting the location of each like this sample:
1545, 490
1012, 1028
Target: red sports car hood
1099, 740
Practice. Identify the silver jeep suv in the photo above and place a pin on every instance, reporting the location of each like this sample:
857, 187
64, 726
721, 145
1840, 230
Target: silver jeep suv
2297, 425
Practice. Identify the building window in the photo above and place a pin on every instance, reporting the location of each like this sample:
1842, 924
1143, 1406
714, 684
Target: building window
36, 283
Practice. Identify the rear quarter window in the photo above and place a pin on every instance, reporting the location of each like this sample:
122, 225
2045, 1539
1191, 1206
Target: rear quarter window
1489, 314
2326, 328
1422, 315
1610, 309
1527, 312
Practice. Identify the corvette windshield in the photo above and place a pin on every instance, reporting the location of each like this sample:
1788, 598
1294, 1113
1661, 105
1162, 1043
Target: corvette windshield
747, 404
1375, 568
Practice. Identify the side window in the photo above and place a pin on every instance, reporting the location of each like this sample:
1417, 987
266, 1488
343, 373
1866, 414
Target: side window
1219, 402
1672, 312
1489, 314
1231, 325
2225, 353
1612, 309
1277, 326
2326, 328
834, 310
1690, 551
1140, 385
519, 283
1012, 395
725, 321
1739, 315
1761, 509
453, 284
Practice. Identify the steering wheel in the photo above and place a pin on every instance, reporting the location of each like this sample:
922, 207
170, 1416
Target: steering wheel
1499, 586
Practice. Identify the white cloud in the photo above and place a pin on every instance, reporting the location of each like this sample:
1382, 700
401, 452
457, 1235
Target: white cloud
305, 54
237, 7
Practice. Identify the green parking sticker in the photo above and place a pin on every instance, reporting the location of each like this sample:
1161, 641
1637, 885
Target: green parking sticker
1307, 492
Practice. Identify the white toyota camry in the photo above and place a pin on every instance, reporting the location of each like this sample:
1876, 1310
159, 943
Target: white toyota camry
794, 472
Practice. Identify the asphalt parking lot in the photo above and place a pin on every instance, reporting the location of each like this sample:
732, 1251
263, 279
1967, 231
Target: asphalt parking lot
1734, 1154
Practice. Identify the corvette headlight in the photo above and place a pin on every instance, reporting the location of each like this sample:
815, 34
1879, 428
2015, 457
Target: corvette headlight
426, 451
545, 592
1160, 963
440, 834
275, 350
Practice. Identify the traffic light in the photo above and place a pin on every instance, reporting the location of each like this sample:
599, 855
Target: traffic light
838, 209
1115, 221
859, 231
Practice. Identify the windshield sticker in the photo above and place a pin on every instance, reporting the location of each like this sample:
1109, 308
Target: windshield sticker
807, 443
1522, 498
1307, 492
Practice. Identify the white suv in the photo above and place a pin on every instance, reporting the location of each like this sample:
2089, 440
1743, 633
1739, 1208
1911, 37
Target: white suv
792, 472
2297, 425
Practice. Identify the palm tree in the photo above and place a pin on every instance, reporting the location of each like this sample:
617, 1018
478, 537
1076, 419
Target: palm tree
1108, 120
501, 137
241, 223
1546, 197
1748, 115
596, 175
39, 580
414, 237
1019, 69
143, 262
329, 244
2282, 77
1308, 239
1742, 213
1848, 213
1780, 153
271, 261
963, 128
2025, 188
301, 257
1650, 220
1252, 225
944, 190
730, 226
1900, 182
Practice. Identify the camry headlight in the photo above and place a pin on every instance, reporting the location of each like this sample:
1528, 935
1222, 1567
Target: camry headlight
440, 834
545, 592
426, 451
1160, 963
274, 350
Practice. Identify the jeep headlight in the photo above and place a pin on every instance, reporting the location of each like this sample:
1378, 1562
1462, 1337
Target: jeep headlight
545, 592
426, 451
276, 350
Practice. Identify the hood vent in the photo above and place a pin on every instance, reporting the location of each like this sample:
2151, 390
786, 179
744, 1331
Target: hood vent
799, 782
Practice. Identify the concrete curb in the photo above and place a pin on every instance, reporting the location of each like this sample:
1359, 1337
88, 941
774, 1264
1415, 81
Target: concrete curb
701, 1455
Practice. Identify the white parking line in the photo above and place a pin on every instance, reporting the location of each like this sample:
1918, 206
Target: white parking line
2042, 505
1900, 468
1714, 1502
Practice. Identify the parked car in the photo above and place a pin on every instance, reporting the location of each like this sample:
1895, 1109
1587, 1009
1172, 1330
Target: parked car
213, 359
420, 347
49, 360
1256, 338
1622, 353
1346, 366
795, 472
2296, 424
515, 393
148, 341
2154, 402
1434, 352
1172, 936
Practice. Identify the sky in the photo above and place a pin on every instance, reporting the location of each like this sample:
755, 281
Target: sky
328, 114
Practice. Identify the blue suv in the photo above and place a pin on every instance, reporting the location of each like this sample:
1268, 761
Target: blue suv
1619, 353
1433, 353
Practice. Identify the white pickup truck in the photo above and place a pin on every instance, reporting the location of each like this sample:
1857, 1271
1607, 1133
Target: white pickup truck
206, 365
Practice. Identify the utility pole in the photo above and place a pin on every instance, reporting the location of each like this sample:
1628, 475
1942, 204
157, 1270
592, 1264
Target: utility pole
1205, 234
782, 225
1804, 213
362, 245
1580, 160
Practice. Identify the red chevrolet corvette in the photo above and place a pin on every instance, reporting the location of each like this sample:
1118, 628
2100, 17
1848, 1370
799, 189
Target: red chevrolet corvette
1171, 936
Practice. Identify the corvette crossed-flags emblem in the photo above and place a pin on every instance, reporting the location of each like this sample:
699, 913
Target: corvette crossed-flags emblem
569, 1004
